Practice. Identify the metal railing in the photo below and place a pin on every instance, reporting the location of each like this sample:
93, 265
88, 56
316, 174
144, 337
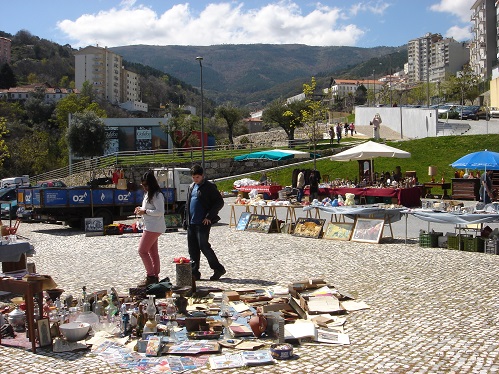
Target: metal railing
100, 166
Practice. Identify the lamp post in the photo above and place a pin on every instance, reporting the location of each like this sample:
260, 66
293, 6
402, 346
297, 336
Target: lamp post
374, 90
200, 59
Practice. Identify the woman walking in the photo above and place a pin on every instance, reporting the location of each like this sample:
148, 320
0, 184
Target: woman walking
153, 213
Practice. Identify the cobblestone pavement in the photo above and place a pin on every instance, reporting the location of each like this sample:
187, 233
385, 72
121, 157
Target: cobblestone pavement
432, 310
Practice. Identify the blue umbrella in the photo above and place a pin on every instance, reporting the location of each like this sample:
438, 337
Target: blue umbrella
483, 160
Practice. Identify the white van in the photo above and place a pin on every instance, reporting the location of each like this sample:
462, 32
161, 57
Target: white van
15, 182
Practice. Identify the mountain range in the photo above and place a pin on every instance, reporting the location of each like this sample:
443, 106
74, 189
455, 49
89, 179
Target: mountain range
255, 74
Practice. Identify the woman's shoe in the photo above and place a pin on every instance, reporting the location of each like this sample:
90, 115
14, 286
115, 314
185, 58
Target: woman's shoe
150, 279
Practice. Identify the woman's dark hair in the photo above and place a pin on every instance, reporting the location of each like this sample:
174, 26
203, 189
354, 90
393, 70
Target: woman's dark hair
152, 184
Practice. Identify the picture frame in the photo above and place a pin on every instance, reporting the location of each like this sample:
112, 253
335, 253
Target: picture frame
261, 223
94, 226
338, 231
43, 329
243, 221
173, 220
368, 230
309, 227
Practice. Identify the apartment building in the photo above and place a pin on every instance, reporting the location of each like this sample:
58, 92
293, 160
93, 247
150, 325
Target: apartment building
483, 48
110, 80
5, 45
447, 57
419, 57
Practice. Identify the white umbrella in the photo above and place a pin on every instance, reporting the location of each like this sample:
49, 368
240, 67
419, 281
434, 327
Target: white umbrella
370, 150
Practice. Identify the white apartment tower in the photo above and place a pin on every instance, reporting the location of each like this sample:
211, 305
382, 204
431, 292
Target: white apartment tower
104, 70
419, 56
483, 48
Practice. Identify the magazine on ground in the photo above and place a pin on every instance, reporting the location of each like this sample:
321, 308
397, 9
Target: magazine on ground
240, 359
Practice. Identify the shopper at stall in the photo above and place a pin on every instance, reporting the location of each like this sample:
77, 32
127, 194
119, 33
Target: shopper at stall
314, 185
204, 201
397, 174
153, 213
486, 194
300, 184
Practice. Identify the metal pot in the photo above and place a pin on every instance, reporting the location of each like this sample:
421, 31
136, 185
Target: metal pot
17, 319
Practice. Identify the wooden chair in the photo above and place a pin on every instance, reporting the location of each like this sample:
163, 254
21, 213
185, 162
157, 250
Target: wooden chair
13, 229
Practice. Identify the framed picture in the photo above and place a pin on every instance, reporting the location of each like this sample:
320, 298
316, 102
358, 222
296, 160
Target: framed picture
338, 230
261, 223
309, 227
94, 226
44, 336
368, 230
243, 221
173, 220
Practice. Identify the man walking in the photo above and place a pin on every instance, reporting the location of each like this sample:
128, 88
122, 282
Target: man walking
201, 211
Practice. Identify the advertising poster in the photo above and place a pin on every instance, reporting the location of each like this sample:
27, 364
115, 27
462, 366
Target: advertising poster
113, 142
143, 138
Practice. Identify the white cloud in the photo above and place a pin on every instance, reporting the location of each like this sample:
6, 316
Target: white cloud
375, 7
221, 23
459, 8
459, 33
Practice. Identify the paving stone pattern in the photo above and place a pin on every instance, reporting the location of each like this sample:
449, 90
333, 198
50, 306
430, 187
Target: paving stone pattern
432, 310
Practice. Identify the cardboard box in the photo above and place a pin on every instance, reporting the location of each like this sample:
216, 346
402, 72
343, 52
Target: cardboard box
232, 295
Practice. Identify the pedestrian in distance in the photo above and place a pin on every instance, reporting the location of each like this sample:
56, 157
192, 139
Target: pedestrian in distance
351, 127
486, 193
152, 212
204, 201
346, 127
338, 132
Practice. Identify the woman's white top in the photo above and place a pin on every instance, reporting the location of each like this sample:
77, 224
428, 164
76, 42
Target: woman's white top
154, 219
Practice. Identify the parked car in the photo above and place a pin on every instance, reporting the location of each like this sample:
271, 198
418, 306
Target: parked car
468, 112
494, 112
443, 109
51, 183
8, 197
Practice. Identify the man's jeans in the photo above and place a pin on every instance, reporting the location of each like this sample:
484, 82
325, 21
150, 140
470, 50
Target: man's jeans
198, 241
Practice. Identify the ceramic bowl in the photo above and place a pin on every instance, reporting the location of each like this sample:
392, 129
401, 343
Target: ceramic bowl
74, 331
54, 293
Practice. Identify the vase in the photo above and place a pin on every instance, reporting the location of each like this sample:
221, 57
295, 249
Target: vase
258, 324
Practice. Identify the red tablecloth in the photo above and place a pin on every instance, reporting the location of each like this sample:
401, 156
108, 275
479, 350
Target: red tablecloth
268, 189
409, 197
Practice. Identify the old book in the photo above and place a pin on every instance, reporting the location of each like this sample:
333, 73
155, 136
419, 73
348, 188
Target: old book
238, 330
324, 335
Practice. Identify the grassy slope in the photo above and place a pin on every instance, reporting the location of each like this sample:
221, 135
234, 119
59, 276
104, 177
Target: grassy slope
440, 152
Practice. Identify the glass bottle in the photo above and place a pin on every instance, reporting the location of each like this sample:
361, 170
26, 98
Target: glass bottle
151, 307
111, 311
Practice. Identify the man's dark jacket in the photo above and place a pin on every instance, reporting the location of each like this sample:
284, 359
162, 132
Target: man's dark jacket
210, 199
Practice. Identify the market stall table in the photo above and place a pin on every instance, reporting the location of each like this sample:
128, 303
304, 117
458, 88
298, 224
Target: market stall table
408, 197
29, 289
271, 190
13, 255
454, 218
352, 212
428, 186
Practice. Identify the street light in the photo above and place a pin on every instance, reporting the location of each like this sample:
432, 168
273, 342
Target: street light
200, 59
374, 90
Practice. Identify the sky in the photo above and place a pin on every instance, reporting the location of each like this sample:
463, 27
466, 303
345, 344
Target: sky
113, 23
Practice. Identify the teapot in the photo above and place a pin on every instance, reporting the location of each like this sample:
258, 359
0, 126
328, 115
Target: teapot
17, 319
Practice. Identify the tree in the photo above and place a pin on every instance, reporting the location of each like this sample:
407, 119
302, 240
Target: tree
87, 134
179, 127
7, 77
38, 110
232, 116
286, 116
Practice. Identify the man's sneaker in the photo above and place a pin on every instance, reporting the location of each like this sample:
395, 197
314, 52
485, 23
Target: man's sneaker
217, 274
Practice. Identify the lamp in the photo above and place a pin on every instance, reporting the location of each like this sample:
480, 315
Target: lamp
432, 171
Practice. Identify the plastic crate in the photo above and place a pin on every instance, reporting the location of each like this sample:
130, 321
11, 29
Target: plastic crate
455, 241
429, 240
471, 244
491, 247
